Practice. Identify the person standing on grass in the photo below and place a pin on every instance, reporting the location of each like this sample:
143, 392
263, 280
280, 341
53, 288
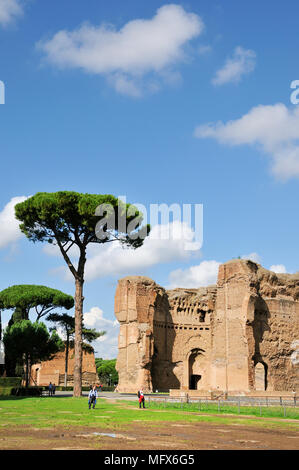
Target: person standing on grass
53, 389
89, 395
141, 398
92, 397
50, 389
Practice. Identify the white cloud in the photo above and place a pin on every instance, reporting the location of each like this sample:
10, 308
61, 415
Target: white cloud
10, 231
166, 243
253, 257
274, 129
125, 85
106, 346
278, 268
141, 47
242, 63
201, 275
206, 273
9, 10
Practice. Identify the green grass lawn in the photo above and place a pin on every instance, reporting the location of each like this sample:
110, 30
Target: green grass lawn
68, 412
206, 407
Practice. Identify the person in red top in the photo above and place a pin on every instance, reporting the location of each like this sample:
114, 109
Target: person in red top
141, 398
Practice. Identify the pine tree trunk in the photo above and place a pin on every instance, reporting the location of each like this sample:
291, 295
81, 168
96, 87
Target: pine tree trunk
27, 371
78, 338
2, 365
66, 360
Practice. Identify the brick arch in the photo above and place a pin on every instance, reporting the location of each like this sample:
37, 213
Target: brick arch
196, 345
261, 376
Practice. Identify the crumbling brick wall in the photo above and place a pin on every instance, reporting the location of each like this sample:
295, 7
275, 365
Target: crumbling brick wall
240, 335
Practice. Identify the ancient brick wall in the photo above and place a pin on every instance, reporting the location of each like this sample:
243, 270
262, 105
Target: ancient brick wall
240, 335
273, 332
135, 301
53, 370
184, 328
230, 358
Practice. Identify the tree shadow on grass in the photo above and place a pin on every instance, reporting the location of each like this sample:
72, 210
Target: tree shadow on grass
13, 397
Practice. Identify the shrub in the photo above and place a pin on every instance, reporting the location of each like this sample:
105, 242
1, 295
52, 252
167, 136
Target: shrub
7, 384
10, 381
5, 391
62, 388
69, 388
27, 392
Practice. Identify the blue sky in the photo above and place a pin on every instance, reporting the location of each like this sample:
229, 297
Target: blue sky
96, 102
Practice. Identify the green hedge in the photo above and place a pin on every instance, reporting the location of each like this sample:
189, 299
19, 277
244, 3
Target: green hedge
27, 392
7, 384
62, 388
10, 381
5, 391
12, 386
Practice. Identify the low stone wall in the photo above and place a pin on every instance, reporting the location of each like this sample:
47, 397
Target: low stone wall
221, 394
190, 393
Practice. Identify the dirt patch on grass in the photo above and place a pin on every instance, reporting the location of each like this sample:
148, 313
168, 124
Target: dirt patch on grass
138, 435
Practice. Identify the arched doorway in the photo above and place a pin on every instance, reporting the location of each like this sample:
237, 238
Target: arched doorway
196, 369
260, 373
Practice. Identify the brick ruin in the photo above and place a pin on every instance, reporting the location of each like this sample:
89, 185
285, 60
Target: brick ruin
53, 370
241, 335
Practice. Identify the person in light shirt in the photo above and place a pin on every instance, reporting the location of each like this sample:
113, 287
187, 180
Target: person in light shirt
92, 397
